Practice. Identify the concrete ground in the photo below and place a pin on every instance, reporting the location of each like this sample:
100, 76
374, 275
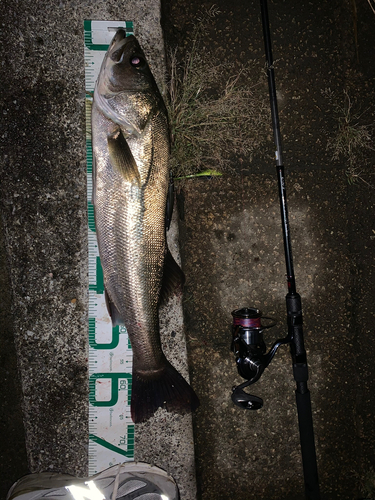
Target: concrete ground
44, 327
232, 252
231, 248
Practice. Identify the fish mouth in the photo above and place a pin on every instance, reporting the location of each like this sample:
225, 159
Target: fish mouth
124, 47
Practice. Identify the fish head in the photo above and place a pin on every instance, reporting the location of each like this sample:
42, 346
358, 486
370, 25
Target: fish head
124, 67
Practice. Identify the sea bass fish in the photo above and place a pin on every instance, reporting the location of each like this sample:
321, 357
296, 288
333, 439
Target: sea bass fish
130, 139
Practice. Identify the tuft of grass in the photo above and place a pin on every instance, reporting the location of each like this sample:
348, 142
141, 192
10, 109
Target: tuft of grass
368, 484
215, 120
351, 141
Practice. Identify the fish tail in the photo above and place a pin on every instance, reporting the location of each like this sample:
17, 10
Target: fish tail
164, 388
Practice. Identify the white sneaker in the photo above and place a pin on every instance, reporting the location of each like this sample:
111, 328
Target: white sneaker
127, 481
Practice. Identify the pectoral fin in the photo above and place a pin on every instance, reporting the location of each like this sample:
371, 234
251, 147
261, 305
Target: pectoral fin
121, 157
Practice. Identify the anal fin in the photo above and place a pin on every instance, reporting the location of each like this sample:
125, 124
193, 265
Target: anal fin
113, 311
173, 277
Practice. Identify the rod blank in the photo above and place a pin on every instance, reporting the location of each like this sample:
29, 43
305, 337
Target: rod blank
293, 300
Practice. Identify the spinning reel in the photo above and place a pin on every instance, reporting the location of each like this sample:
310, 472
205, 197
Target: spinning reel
250, 350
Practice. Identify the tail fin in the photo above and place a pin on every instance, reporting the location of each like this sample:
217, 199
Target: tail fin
165, 388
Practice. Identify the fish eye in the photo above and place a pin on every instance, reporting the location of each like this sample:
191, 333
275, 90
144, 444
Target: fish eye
137, 62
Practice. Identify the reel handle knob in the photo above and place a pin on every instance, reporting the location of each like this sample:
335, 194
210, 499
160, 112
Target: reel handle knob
245, 400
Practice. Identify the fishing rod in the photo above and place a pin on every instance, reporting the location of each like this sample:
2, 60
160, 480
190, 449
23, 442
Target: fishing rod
247, 330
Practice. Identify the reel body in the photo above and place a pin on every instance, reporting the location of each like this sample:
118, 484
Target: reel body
248, 344
250, 350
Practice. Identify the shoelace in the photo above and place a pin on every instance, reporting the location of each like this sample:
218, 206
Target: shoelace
117, 480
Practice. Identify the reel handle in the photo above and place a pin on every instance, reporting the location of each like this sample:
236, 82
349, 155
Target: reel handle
245, 400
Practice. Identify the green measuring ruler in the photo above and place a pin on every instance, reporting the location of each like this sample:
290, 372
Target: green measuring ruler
111, 430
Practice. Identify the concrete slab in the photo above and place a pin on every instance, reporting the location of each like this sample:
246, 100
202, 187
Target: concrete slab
12, 444
233, 256
45, 222
240, 264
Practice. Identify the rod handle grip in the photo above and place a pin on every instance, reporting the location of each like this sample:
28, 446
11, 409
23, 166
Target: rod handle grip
306, 430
